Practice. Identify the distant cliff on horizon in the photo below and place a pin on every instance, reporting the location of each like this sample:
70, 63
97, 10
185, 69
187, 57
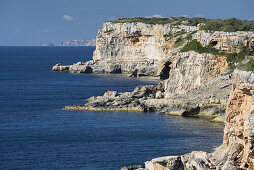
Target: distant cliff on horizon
90, 42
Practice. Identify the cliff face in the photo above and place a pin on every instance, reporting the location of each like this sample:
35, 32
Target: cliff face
226, 41
135, 41
190, 70
237, 150
141, 49
135, 46
239, 128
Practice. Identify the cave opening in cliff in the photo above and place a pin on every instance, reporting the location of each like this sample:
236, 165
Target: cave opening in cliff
214, 43
165, 71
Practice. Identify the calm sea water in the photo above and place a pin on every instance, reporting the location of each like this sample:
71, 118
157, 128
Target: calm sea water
36, 133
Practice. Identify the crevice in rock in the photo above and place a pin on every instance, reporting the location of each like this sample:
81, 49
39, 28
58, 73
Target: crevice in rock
165, 71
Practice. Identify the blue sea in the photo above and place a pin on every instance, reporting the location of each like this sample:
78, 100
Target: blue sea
37, 133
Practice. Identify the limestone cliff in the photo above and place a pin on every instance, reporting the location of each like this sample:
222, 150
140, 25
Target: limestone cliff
226, 41
236, 152
135, 41
141, 49
190, 70
239, 128
133, 47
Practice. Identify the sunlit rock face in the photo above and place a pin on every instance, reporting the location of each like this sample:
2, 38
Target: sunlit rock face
136, 45
190, 70
239, 129
226, 41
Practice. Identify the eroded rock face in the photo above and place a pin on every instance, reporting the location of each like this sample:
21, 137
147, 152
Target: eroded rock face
226, 41
135, 41
236, 152
239, 128
190, 70
134, 47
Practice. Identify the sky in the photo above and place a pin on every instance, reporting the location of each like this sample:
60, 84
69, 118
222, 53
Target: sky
33, 22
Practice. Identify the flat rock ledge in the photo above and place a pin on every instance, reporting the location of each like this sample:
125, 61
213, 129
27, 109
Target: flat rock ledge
83, 107
152, 99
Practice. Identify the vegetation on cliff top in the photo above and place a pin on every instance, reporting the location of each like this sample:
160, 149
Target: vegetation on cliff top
241, 60
226, 25
172, 20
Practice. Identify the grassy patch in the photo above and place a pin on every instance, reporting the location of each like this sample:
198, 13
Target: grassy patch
109, 31
226, 25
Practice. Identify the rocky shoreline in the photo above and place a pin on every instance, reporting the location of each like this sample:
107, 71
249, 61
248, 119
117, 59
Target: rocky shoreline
152, 99
194, 82
236, 152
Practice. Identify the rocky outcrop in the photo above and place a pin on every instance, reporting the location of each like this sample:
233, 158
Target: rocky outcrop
236, 152
59, 67
226, 41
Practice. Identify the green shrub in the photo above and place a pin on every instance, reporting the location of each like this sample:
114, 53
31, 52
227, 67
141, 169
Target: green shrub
189, 37
179, 33
179, 41
197, 47
108, 31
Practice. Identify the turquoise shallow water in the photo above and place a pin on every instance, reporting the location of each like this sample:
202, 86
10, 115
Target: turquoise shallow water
36, 133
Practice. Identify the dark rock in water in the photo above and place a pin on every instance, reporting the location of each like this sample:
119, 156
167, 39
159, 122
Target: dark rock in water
59, 67
87, 69
116, 69
134, 73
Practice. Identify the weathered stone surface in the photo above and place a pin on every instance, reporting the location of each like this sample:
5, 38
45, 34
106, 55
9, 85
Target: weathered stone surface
165, 163
80, 68
190, 70
225, 41
238, 132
